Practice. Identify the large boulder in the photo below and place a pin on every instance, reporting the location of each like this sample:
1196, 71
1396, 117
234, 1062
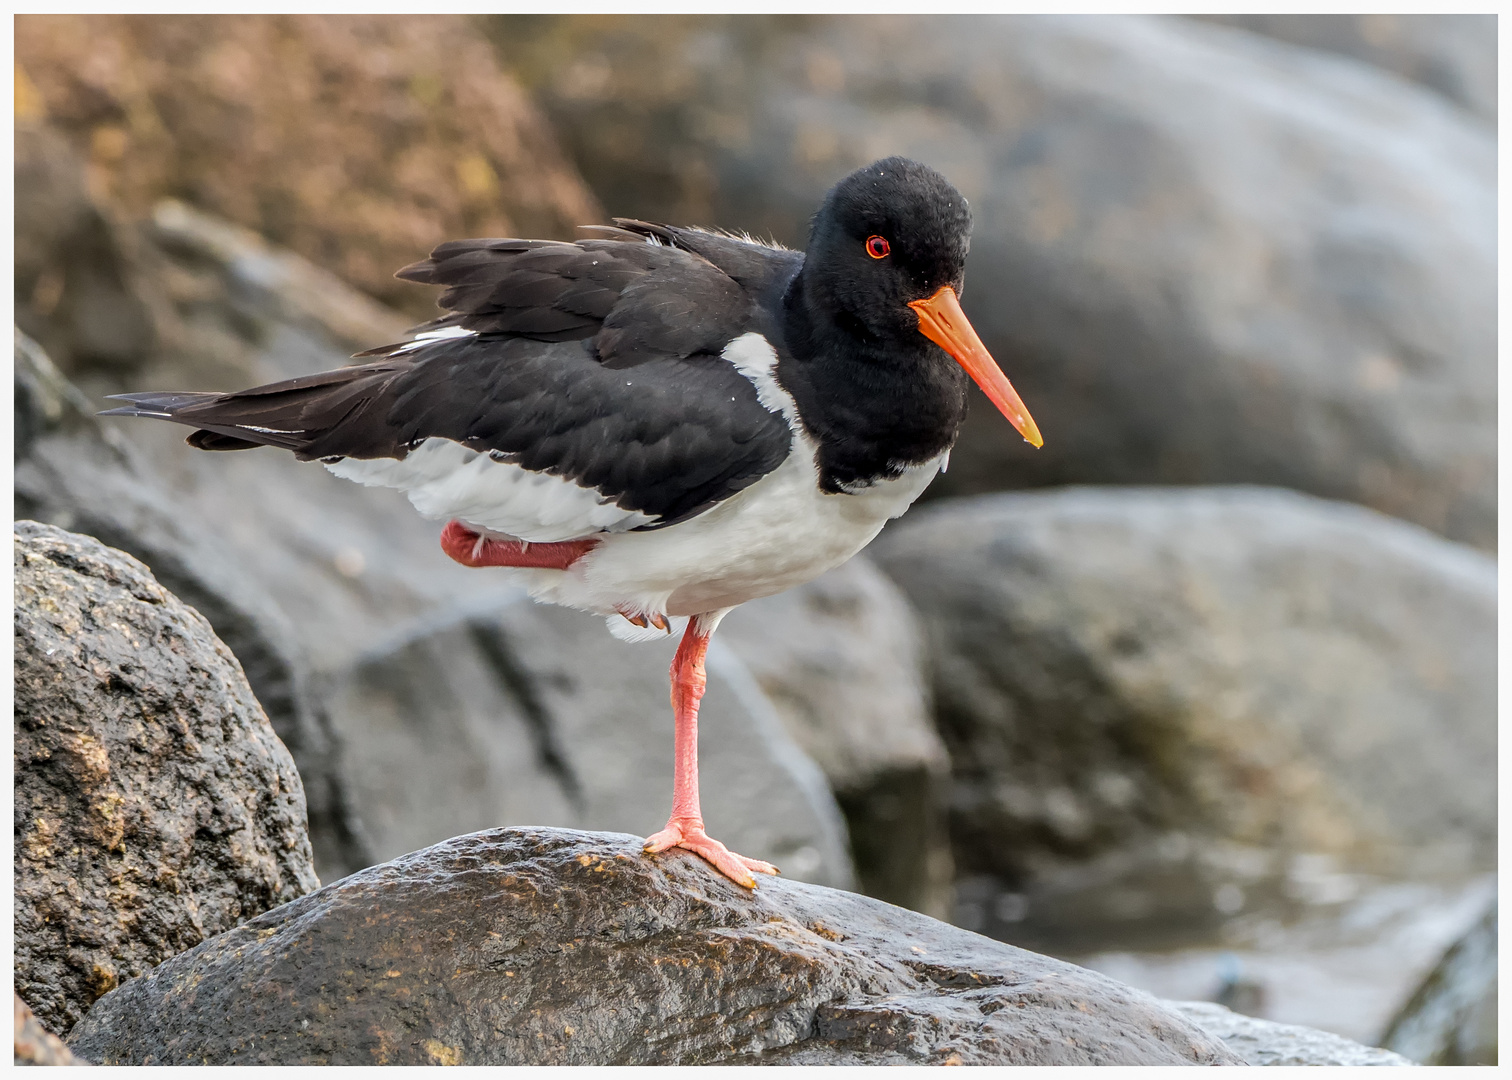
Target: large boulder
842, 660
1169, 707
503, 712
1453, 54
1200, 255
358, 141
154, 805
553, 947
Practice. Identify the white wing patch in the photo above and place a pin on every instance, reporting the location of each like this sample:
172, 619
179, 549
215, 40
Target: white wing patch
430, 337
754, 357
446, 480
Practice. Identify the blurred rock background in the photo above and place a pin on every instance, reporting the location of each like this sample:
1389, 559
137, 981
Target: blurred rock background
1216, 738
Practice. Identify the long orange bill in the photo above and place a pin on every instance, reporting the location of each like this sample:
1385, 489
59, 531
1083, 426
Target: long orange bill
943, 322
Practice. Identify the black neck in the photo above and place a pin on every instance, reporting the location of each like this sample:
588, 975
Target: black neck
873, 406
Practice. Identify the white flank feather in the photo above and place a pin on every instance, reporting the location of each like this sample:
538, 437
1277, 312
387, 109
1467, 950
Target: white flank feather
445, 480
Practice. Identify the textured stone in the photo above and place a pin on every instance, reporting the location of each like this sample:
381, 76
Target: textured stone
842, 660
154, 806
35, 1045
1158, 701
534, 946
1451, 1018
360, 141
1201, 256
1264, 1042
504, 712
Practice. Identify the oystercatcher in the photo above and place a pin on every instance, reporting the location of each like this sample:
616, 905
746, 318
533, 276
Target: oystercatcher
659, 423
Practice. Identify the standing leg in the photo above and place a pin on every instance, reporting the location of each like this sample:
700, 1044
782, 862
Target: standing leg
685, 828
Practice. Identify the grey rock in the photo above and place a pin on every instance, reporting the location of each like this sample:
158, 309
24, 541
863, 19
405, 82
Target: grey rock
1451, 1018
503, 712
1168, 707
842, 660
1200, 255
1264, 1042
1452, 54
154, 805
280, 294
535, 946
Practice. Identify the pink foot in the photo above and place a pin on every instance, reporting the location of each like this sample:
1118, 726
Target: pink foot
470, 549
689, 833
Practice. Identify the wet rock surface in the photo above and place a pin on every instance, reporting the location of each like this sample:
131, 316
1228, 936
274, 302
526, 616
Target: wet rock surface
1200, 255
504, 712
1169, 707
154, 805
1264, 1042
1451, 1018
532, 946
842, 661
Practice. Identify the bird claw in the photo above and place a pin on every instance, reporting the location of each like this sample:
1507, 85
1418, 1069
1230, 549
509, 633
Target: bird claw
690, 835
641, 619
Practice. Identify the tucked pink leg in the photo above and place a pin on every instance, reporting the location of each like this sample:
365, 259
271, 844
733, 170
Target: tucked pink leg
464, 545
685, 828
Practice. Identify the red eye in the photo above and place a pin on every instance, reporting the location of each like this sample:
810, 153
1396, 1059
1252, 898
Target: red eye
877, 247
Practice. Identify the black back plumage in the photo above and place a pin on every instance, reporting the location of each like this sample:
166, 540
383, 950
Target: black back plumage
596, 361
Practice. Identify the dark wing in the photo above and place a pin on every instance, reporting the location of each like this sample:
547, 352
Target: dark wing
597, 361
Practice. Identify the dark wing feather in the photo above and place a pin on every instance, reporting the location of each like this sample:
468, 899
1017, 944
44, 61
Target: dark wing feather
597, 361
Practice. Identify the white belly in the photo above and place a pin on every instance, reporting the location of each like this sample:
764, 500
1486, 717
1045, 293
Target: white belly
779, 532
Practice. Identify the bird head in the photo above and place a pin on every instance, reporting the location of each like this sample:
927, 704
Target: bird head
887, 259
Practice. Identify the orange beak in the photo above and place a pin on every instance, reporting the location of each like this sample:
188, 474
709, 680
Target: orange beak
943, 322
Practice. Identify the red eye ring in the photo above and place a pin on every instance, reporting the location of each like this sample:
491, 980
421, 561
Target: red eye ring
877, 247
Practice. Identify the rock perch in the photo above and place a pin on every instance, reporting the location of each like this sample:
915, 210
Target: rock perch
540, 946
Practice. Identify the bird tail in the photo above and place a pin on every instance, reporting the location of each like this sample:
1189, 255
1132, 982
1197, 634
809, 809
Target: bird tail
301, 415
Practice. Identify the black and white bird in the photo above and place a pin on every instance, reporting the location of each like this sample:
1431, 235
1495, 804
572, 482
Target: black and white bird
659, 423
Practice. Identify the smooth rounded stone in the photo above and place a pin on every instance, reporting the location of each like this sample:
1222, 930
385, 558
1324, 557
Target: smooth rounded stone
1201, 256
1452, 54
1264, 1042
1170, 707
1451, 1018
35, 1045
545, 946
154, 805
842, 660
504, 712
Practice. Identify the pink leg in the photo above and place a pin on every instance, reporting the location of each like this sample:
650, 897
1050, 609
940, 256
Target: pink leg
685, 828
463, 545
